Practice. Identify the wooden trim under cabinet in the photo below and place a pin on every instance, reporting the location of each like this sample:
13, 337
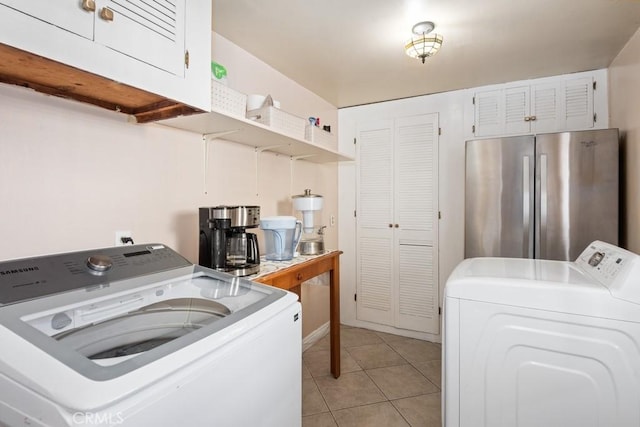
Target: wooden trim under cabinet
21, 68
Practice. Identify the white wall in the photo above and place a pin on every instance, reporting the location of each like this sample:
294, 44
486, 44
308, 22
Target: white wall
72, 174
624, 107
249, 75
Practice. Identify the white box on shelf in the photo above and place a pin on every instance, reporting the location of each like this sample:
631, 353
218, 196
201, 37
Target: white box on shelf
318, 135
227, 100
279, 120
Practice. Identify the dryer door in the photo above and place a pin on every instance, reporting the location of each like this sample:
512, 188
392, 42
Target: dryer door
524, 367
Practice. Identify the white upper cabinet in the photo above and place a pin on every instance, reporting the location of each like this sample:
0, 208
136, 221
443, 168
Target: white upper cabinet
159, 46
151, 31
552, 105
68, 14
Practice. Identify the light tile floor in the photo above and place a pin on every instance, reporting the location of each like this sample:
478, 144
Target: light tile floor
387, 380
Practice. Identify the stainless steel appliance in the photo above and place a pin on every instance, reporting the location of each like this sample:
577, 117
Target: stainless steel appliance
224, 243
545, 196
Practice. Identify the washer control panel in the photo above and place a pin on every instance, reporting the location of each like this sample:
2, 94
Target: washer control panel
614, 267
30, 278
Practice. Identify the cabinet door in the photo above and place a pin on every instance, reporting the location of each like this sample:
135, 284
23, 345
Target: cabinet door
516, 118
416, 216
65, 14
375, 269
152, 32
488, 114
546, 107
578, 104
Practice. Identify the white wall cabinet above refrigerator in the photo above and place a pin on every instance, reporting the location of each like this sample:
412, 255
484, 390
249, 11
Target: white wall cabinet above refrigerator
161, 47
563, 103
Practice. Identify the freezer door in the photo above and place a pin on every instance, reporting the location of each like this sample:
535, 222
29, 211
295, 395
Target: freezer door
576, 192
499, 194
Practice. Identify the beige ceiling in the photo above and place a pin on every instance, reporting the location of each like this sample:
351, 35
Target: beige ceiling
350, 52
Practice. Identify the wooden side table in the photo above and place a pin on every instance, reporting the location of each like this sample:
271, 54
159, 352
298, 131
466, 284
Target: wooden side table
291, 278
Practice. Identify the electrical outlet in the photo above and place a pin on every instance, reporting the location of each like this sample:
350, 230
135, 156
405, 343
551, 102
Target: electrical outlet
123, 238
333, 220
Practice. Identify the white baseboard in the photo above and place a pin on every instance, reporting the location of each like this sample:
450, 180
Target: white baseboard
315, 336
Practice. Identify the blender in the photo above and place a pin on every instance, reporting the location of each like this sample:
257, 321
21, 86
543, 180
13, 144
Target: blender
312, 239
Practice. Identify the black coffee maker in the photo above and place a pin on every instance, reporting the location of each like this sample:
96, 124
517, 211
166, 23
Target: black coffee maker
224, 243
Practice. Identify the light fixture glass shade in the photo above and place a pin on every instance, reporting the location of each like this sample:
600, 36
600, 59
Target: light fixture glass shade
423, 46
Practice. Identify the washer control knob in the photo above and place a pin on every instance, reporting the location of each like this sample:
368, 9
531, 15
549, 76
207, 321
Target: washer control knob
99, 263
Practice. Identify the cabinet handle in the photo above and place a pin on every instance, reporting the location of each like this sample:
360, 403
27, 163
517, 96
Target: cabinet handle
397, 225
390, 225
533, 118
299, 276
527, 118
106, 14
89, 5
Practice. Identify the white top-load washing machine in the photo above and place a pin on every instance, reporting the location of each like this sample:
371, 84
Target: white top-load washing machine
543, 343
138, 336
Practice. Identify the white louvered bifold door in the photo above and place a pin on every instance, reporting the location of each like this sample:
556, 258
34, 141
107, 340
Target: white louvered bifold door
374, 214
397, 274
152, 31
416, 209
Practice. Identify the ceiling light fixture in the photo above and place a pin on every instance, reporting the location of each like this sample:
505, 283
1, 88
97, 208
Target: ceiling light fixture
423, 46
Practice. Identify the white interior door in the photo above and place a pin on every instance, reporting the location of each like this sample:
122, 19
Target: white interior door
397, 267
375, 270
416, 235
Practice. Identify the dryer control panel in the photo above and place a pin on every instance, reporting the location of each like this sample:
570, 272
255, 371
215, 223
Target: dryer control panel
614, 267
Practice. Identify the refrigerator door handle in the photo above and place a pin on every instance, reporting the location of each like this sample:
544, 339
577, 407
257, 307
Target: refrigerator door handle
526, 208
543, 206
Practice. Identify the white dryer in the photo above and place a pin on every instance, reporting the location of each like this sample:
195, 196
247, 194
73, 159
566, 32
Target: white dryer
138, 336
543, 343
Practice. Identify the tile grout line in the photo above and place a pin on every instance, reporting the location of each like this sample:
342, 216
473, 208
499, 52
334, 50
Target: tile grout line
386, 398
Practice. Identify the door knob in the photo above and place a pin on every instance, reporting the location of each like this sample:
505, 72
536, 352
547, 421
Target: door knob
89, 5
106, 14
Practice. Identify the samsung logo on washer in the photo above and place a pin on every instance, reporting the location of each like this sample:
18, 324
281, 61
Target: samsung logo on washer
18, 270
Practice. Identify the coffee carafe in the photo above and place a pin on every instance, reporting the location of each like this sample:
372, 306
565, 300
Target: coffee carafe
224, 243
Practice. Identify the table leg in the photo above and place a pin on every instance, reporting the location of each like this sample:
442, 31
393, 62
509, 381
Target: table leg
334, 316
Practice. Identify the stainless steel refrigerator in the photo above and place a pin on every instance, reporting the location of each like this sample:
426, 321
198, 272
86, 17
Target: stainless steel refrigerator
545, 196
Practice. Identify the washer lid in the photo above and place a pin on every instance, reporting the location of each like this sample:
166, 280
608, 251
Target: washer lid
131, 323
